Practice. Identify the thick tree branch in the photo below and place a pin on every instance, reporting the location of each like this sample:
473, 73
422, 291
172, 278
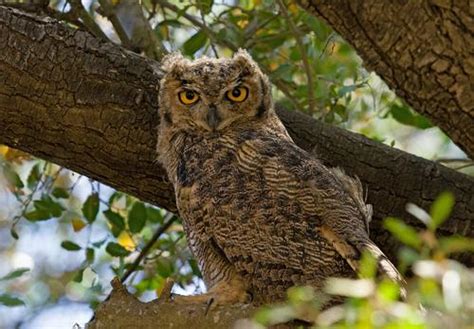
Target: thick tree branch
422, 49
123, 310
91, 106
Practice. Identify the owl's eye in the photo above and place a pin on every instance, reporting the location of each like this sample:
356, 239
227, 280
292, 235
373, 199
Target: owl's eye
188, 97
238, 94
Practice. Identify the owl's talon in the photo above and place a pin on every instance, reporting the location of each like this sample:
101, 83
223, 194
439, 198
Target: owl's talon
209, 305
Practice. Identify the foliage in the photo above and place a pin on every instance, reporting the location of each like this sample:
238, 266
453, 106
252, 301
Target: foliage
440, 290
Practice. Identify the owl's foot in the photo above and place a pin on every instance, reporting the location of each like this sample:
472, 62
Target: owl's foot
223, 293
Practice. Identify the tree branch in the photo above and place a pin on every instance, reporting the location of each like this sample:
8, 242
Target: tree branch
91, 106
421, 49
123, 310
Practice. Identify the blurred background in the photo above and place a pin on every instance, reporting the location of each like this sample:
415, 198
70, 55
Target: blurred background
63, 237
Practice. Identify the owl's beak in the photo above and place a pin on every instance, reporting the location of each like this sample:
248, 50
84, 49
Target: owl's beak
213, 118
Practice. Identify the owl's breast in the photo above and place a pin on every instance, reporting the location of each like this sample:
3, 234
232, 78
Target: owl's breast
219, 176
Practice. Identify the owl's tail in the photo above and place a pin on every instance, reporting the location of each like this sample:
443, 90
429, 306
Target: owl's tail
346, 240
385, 266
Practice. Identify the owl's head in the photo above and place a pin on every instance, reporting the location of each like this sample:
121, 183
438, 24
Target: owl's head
213, 94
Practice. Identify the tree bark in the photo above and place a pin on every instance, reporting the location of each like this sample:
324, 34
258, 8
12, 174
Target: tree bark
123, 310
423, 50
92, 107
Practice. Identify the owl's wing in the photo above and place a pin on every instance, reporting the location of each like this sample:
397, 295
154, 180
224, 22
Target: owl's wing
351, 242
338, 202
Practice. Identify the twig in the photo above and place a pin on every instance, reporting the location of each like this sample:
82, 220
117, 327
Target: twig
196, 22
467, 165
304, 57
29, 199
78, 9
169, 219
109, 12
447, 160
142, 36
328, 40
158, 255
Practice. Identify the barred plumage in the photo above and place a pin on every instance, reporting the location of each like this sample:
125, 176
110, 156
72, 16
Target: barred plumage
260, 214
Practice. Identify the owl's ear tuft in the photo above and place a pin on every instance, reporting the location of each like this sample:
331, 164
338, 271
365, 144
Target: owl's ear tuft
173, 63
243, 59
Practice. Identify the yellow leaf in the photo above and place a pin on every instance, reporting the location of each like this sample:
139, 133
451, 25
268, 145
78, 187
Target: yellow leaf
78, 224
16, 156
3, 150
293, 8
164, 30
126, 241
273, 66
243, 23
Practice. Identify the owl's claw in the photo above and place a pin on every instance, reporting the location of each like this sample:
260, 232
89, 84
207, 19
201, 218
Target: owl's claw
209, 305
221, 294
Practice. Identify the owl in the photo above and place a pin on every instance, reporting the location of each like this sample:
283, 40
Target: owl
260, 214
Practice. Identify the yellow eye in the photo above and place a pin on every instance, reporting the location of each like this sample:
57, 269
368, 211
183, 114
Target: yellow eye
238, 94
188, 97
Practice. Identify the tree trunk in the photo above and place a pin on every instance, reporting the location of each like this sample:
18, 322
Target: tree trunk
91, 106
423, 50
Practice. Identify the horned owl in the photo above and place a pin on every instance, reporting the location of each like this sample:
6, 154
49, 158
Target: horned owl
260, 214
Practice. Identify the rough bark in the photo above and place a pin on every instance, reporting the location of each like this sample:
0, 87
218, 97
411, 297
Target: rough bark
123, 310
91, 106
424, 51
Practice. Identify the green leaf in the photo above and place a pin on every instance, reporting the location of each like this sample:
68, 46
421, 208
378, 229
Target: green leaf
116, 250
47, 204
34, 176
205, 6
99, 244
116, 231
451, 244
15, 274
137, 217
405, 115
403, 232
38, 215
193, 44
115, 219
60, 193
341, 110
169, 22
154, 215
440, 209
90, 255
388, 290
90, 208
78, 277
12, 176
164, 267
69, 245
284, 72
14, 234
194, 267
368, 266
11, 301
115, 197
